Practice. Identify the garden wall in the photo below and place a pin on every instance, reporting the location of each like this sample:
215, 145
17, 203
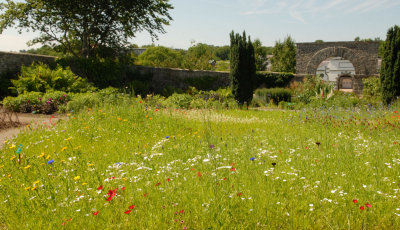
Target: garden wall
13, 61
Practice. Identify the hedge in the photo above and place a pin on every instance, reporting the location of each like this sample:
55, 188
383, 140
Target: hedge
272, 79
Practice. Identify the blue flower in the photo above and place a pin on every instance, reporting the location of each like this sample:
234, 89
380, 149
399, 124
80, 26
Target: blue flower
50, 162
167, 137
252, 159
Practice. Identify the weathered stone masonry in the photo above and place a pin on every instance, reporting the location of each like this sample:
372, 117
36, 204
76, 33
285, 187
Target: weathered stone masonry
14, 61
363, 56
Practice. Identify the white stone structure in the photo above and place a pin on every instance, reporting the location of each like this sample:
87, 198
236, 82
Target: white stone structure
332, 68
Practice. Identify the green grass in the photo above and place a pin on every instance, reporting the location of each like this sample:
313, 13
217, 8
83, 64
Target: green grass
195, 169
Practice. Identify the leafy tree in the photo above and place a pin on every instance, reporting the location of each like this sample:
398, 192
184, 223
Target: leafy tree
87, 28
161, 57
199, 56
243, 67
390, 69
44, 50
319, 41
222, 52
260, 53
284, 56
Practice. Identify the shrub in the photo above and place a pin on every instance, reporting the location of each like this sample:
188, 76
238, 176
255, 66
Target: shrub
372, 89
40, 78
160, 57
272, 80
179, 101
275, 94
101, 72
83, 101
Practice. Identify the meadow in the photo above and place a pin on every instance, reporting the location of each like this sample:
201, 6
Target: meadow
133, 166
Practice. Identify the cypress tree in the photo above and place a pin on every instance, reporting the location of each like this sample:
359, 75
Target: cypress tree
243, 67
390, 69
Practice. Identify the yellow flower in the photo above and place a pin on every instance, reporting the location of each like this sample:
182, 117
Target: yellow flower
63, 148
90, 165
27, 188
12, 146
62, 161
77, 178
5, 142
9, 175
1, 166
48, 157
41, 155
34, 188
28, 166
84, 183
125, 120
119, 118
124, 179
78, 147
36, 182
12, 158
42, 163
68, 139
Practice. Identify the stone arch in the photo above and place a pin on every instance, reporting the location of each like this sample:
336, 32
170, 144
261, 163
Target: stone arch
343, 52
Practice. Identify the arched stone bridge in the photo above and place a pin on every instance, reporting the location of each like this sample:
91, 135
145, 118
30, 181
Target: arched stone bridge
363, 56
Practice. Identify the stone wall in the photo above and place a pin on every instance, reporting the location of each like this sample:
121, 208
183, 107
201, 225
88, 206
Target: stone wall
177, 78
363, 56
14, 61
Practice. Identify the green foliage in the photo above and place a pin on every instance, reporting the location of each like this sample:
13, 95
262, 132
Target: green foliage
260, 54
82, 101
198, 57
179, 101
40, 78
372, 89
222, 52
86, 28
44, 50
101, 72
275, 95
313, 87
272, 80
243, 68
390, 69
5, 82
37, 102
284, 56
222, 66
160, 56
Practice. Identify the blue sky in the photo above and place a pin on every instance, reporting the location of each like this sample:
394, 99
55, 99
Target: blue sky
211, 21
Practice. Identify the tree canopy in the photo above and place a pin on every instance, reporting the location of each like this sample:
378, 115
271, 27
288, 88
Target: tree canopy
86, 28
284, 56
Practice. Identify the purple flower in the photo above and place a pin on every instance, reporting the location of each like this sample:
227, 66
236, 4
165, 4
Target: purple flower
252, 159
50, 162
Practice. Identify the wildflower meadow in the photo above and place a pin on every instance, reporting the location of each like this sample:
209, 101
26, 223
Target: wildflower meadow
133, 166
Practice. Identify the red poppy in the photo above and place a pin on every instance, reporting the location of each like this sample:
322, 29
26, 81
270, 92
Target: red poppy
100, 188
362, 208
182, 211
140, 102
123, 188
168, 180
95, 213
109, 198
128, 211
233, 169
368, 205
239, 194
225, 178
146, 194
355, 201
132, 206
199, 174
232, 164
306, 147
395, 111
158, 184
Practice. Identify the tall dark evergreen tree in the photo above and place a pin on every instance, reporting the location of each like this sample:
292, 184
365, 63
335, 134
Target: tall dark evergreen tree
390, 69
243, 67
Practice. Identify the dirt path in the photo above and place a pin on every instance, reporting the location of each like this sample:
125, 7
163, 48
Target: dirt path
26, 119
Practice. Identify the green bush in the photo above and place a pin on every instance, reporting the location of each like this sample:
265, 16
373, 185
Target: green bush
179, 101
272, 80
372, 89
160, 56
275, 94
37, 102
40, 78
83, 101
101, 72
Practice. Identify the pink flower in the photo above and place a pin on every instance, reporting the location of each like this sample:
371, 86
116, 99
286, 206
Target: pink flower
362, 208
368, 205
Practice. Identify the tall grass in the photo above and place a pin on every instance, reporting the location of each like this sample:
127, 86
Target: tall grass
133, 166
